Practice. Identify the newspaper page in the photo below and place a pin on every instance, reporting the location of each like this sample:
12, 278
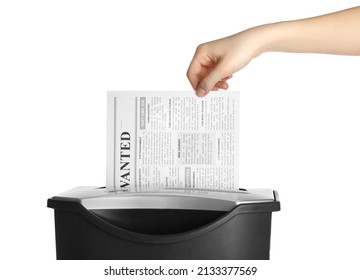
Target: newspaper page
172, 140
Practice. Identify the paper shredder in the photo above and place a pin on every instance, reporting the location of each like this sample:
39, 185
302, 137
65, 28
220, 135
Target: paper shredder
92, 223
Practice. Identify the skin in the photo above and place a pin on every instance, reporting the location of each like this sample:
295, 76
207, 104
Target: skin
215, 62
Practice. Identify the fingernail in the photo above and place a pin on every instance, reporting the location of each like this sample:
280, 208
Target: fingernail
200, 92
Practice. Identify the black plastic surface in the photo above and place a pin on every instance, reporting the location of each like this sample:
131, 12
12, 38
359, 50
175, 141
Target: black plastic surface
246, 236
243, 233
158, 221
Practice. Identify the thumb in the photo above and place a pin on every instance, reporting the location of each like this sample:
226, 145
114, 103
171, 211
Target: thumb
209, 81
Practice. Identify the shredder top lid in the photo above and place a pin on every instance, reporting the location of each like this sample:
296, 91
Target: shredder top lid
196, 199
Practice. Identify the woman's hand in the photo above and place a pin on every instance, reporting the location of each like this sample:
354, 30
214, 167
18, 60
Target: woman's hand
215, 62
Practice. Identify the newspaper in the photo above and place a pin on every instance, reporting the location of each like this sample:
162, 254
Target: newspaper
172, 140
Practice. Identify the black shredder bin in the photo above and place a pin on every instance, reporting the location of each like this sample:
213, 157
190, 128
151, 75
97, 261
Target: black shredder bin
92, 223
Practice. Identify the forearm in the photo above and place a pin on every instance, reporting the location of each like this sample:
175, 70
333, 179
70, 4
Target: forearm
336, 33
215, 62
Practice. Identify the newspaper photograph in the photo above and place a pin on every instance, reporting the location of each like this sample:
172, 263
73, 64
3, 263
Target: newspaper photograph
172, 140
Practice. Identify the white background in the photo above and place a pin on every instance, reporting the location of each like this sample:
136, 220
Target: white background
300, 123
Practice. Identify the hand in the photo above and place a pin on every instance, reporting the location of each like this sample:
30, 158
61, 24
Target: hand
215, 62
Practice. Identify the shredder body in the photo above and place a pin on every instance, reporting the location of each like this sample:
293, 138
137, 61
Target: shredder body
91, 223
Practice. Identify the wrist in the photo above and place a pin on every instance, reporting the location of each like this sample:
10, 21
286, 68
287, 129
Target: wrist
260, 39
282, 36
269, 37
